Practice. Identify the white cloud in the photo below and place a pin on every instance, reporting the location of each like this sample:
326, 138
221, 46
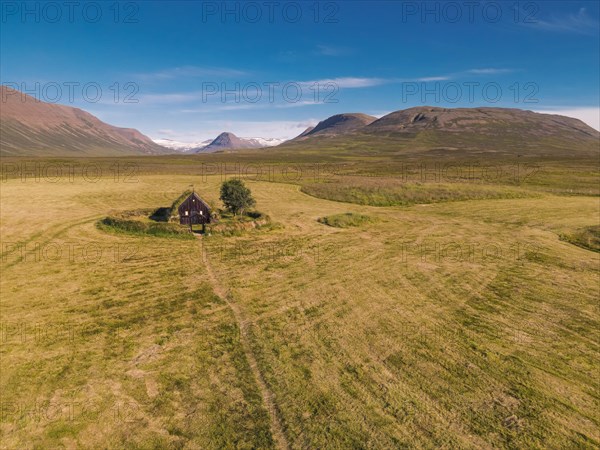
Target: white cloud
272, 129
189, 72
580, 23
303, 103
428, 79
358, 82
250, 106
307, 87
489, 71
590, 116
347, 82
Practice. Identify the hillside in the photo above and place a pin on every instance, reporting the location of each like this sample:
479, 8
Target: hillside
461, 131
479, 120
35, 128
305, 132
338, 125
229, 141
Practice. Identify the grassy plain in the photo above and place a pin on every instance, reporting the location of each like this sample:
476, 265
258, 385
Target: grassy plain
463, 321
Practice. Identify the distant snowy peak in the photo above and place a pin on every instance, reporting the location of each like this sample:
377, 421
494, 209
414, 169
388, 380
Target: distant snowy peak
229, 141
265, 142
222, 142
182, 146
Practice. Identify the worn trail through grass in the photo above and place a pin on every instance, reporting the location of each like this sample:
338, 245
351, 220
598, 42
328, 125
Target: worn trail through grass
244, 326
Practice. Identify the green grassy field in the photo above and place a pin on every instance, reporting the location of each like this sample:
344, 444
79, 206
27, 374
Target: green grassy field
455, 317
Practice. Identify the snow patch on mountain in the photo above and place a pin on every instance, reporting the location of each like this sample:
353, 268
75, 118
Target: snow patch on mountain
182, 146
198, 146
265, 142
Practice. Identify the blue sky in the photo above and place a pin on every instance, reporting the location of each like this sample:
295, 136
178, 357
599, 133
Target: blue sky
190, 70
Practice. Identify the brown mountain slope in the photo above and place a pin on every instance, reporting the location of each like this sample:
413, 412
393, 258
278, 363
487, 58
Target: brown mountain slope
338, 125
461, 131
480, 120
224, 141
229, 141
305, 132
29, 127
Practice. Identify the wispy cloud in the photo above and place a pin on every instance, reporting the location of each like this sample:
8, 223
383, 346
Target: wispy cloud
252, 106
288, 56
358, 82
280, 129
581, 23
490, 71
347, 82
229, 104
331, 50
303, 103
189, 72
428, 79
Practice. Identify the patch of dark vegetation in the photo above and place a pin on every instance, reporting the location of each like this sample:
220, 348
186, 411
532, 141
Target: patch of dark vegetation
139, 213
157, 222
255, 214
228, 224
393, 192
588, 238
165, 213
345, 220
141, 228
175, 205
161, 214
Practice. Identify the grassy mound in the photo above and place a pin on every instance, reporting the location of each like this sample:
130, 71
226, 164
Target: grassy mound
345, 220
588, 238
141, 227
169, 213
230, 225
159, 222
395, 192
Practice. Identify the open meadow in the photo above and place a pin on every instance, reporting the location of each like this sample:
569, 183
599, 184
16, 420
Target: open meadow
300, 225
437, 314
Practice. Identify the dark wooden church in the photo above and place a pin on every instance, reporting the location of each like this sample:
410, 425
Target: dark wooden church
194, 211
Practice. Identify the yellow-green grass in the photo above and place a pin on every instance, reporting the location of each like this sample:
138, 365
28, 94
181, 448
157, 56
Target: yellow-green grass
566, 175
387, 191
111, 340
142, 227
345, 220
465, 324
587, 237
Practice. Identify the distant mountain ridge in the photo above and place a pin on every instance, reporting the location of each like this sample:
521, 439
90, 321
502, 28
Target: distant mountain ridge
30, 127
499, 130
338, 124
413, 120
479, 120
229, 141
225, 141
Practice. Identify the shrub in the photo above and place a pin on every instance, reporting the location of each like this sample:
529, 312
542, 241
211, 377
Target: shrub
236, 196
